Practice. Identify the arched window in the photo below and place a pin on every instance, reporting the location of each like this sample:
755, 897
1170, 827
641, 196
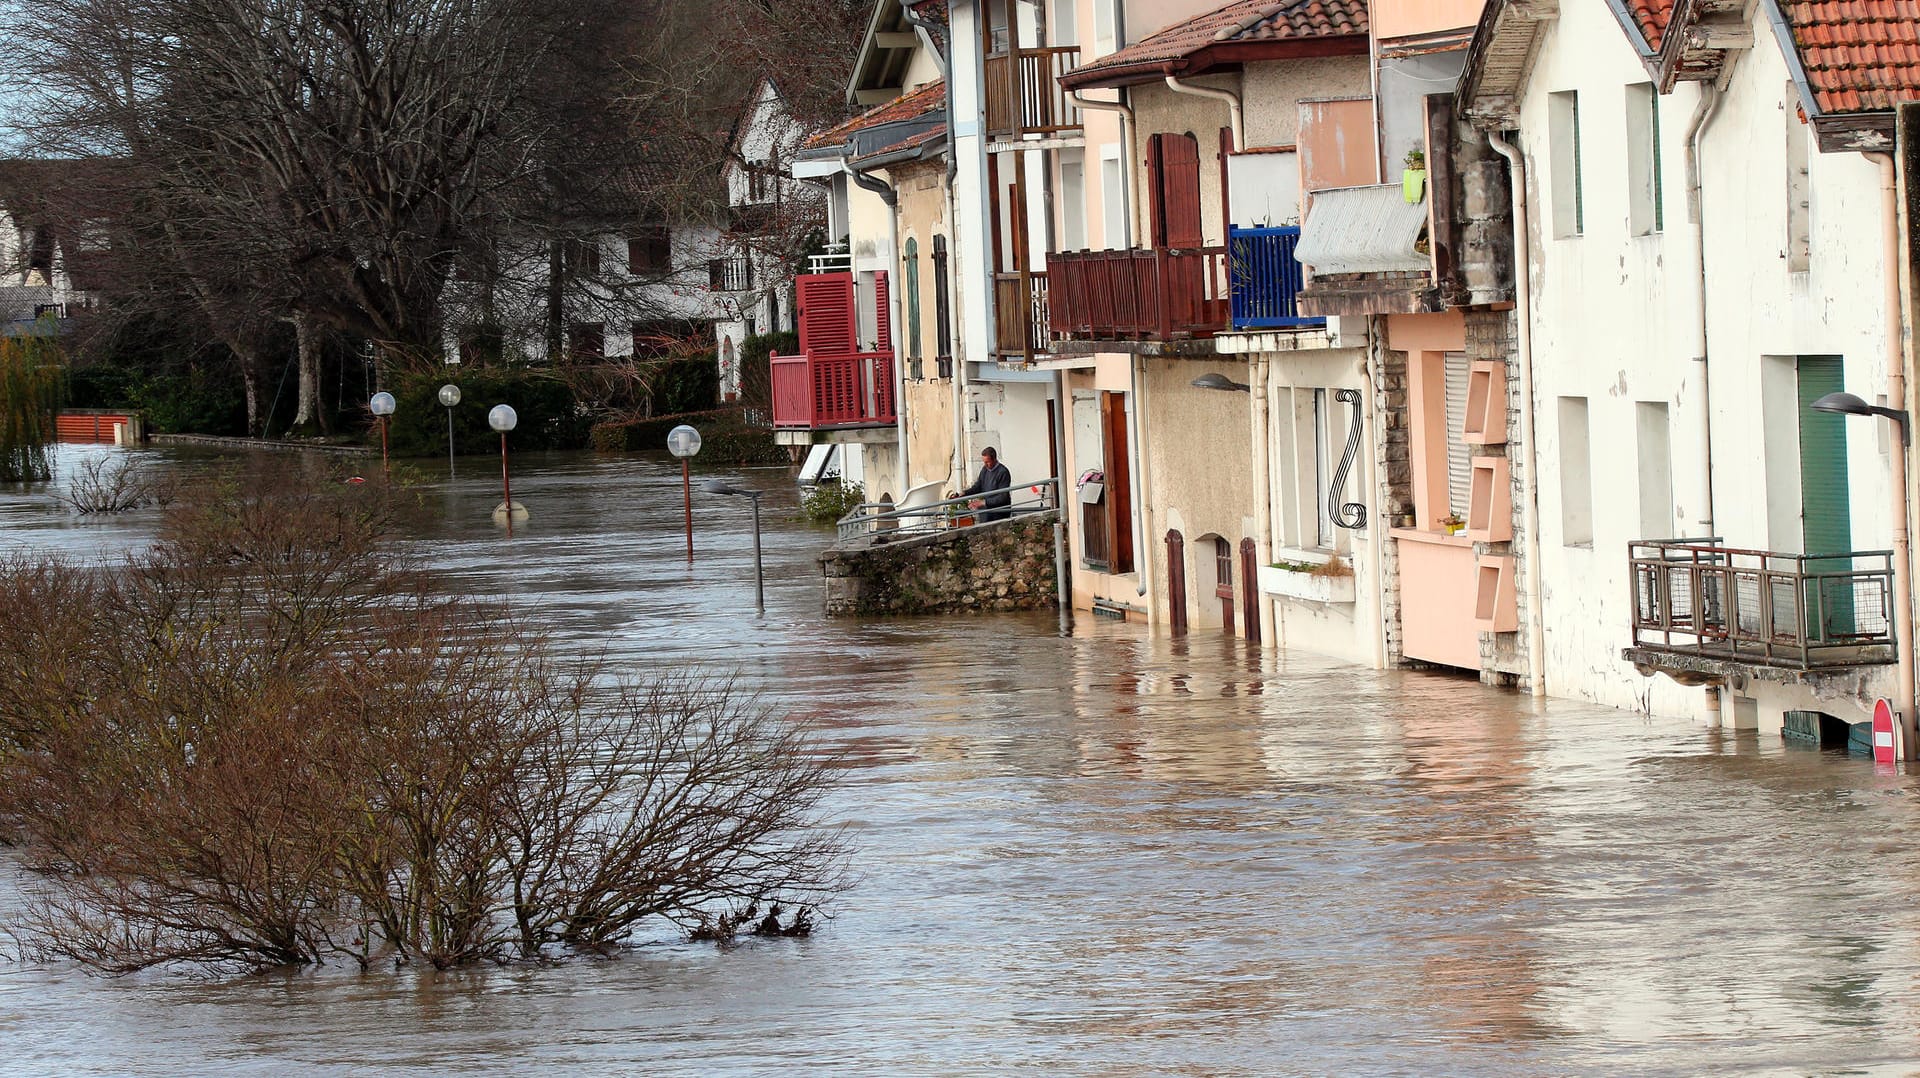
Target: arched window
911, 257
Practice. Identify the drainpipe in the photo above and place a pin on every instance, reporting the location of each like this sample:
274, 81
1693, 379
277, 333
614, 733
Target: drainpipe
1235, 119
1137, 479
1127, 147
1262, 491
1523, 341
1377, 533
894, 319
1903, 702
1702, 112
1062, 573
925, 31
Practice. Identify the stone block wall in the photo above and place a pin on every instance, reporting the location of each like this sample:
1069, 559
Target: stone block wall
1393, 464
1503, 656
1006, 565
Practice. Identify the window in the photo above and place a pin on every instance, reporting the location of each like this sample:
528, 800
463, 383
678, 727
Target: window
1106, 25
942, 312
1646, 213
1458, 376
1066, 23
1653, 436
1113, 200
1576, 474
1799, 249
583, 257
1073, 200
910, 260
587, 341
1563, 147
650, 250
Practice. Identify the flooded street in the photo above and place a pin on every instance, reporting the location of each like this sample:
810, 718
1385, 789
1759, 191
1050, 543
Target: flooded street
1109, 853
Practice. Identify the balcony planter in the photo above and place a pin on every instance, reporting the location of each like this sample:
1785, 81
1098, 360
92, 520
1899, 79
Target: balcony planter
1413, 177
1296, 580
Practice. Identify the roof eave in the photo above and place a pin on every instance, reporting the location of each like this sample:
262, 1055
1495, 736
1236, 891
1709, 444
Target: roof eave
1219, 56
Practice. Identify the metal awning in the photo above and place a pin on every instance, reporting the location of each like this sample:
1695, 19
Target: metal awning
1362, 230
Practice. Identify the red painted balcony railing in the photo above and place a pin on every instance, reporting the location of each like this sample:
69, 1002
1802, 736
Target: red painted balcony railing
825, 393
1159, 294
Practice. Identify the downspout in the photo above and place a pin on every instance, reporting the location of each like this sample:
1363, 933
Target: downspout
1903, 703
894, 319
1136, 478
925, 31
1262, 490
1062, 573
1131, 151
1523, 343
1702, 112
1235, 118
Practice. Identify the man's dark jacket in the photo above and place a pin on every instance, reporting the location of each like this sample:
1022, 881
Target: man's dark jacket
993, 477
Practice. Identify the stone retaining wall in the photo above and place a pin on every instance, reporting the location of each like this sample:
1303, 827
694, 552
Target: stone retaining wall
1006, 565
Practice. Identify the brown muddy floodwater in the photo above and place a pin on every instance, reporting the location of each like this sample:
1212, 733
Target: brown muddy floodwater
1112, 853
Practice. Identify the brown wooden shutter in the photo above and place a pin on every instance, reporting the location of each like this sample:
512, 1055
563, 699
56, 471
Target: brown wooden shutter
1177, 193
826, 314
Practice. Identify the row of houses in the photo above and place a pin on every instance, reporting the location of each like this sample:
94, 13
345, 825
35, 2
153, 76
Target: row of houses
1480, 334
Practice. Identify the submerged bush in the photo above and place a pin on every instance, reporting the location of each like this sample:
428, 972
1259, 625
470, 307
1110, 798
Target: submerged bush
268, 741
826, 503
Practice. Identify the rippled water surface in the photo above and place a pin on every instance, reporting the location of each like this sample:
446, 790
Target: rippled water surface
1112, 853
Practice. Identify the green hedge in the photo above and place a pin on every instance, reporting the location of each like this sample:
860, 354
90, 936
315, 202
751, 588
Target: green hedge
725, 437
549, 416
756, 375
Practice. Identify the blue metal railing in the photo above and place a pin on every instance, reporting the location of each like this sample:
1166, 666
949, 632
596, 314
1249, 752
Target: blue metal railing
1266, 277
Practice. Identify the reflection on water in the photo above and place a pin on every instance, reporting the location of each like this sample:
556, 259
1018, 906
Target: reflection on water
1113, 853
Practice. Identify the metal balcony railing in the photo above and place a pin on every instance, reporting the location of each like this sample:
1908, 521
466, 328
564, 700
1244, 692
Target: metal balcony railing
874, 520
1799, 611
1266, 278
1157, 294
1024, 96
837, 259
825, 393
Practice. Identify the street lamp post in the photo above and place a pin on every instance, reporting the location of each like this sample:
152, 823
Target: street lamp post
449, 396
1849, 404
719, 486
684, 442
503, 419
382, 406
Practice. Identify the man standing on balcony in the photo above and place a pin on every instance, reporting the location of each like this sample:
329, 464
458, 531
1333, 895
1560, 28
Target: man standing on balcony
993, 478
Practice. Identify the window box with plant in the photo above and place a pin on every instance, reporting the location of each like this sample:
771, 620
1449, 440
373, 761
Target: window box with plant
1413, 176
1329, 581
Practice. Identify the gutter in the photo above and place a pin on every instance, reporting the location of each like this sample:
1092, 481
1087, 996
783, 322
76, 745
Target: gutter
1235, 115
1903, 702
1523, 341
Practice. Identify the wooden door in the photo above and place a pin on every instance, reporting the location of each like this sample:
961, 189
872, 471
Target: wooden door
1119, 482
1223, 581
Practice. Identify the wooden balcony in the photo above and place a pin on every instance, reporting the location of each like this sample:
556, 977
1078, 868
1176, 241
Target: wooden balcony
833, 392
1024, 96
1020, 319
1704, 609
1160, 294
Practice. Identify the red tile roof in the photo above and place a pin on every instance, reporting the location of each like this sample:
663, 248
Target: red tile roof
1859, 55
928, 98
1652, 17
1228, 30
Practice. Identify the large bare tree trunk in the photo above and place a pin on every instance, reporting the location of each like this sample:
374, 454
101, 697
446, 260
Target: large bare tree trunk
307, 408
250, 380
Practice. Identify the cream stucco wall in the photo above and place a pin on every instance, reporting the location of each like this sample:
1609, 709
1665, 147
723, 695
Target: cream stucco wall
1199, 484
1614, 323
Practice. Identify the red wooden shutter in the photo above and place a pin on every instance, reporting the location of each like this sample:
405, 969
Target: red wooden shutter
826, 314
1177, 194
883, 313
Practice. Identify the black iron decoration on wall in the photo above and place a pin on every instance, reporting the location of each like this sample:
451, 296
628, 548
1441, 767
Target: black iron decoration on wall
1349, 515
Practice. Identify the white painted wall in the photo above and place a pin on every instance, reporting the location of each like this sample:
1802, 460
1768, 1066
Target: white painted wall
1614, 322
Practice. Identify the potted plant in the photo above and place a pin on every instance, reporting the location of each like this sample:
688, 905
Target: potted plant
1413, 176
1329, 581
1452, 523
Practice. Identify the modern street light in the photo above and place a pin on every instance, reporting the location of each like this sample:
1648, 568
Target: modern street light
721, 486
449, 396
1220, 381
382, 406
503, 419
684, 442
1849, 404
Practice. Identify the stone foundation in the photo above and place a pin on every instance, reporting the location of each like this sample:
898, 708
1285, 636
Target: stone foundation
1007, 565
